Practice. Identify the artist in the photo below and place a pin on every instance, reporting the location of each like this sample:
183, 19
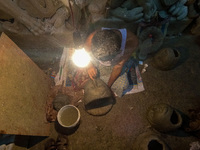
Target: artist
110, 50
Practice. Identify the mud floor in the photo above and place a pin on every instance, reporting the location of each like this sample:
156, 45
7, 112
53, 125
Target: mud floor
118, 129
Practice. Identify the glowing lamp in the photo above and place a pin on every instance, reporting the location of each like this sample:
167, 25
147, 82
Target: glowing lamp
81, 58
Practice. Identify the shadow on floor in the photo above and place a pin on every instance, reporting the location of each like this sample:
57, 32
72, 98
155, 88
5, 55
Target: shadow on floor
65, 131
184, 55
28, 141
181, 132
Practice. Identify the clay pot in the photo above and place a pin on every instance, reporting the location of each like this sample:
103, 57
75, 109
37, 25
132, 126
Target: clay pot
98, 99
149, 141
164, 118
166, 59
60, 101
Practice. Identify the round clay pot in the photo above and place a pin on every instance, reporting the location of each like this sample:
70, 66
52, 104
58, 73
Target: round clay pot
149, 141
98, 99
60, 101
166, 59
164, 118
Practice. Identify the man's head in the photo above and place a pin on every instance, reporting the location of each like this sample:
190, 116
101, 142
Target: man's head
106, 45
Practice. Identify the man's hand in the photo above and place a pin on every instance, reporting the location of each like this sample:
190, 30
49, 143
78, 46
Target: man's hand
92, 72
179, 10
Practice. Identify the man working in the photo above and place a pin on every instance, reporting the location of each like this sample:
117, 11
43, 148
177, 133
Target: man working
110, 49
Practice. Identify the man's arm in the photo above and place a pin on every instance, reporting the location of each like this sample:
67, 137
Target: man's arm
131, 45
92, 72
115, 73
88, 42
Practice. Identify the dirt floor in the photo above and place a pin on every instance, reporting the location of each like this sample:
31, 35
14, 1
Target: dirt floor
117, 130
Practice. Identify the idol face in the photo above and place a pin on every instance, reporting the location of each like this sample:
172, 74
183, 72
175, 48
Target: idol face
159, 113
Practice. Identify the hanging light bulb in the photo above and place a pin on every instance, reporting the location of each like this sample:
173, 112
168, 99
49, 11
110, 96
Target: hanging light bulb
81, 58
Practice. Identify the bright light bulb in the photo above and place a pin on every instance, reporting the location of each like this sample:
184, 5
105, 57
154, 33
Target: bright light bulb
81, 58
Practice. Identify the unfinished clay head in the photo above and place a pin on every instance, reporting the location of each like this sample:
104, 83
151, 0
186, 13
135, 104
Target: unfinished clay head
164, 118
149, 141
60, 101
166, 58
151, 38
98, 99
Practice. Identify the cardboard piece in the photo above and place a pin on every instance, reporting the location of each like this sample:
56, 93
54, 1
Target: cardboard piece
24, 89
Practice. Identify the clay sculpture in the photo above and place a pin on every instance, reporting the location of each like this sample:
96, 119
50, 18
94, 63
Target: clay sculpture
164, 118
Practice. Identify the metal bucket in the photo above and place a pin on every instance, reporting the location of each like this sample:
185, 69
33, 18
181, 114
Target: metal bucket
68, 116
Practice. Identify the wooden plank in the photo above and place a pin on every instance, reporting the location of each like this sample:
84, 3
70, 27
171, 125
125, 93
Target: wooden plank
23, 92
